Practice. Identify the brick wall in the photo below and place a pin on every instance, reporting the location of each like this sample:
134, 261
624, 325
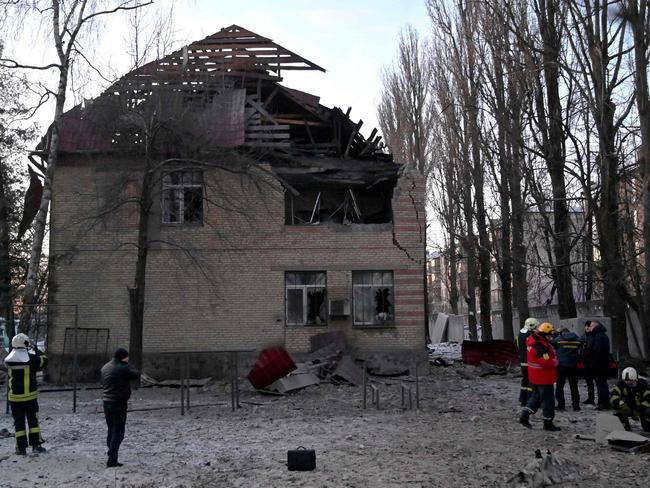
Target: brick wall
221, 285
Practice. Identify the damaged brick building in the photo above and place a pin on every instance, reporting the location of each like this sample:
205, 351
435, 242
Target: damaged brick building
270, 218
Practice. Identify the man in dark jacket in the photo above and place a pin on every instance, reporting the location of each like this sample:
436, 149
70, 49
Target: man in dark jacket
585, 358
631, 398
23, 392
567, 346
526, 390
116, 382
599, 359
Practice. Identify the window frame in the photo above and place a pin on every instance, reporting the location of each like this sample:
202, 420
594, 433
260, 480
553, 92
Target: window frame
375, 323
187, 184
305, 298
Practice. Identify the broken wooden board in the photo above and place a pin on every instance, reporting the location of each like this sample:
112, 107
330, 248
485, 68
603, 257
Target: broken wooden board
627, 441
294, 382
147, 380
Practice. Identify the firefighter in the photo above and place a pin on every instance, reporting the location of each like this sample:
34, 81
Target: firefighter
567, 346
631, 398
526, 390
23, 392
542, 373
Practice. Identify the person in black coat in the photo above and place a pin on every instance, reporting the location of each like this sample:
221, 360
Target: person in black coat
116, 384
567, 346
585, 357
599, 360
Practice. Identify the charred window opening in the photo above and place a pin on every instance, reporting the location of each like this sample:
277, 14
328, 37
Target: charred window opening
339, 205
306, 298
182, 197
373, 298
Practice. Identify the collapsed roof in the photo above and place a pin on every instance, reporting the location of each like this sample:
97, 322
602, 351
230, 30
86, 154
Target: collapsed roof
224, 92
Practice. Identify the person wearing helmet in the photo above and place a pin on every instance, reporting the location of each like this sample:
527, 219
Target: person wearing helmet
567, 346
23, 392
542, 373
631, 398
526, 390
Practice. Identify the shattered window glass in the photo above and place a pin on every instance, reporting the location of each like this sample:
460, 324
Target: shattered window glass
182, 197
373, 298
306, 298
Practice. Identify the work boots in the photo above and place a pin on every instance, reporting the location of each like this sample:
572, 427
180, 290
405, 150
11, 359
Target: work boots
550, 426
523, 419
21, 451
38, 449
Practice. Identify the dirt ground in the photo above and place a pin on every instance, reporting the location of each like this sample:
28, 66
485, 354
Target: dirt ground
464, 435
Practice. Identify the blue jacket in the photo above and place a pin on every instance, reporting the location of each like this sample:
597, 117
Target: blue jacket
567, 347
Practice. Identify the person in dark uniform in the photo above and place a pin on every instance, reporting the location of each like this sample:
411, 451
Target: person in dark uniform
116, 384
526, 390
631, 399
22, 367
567, 346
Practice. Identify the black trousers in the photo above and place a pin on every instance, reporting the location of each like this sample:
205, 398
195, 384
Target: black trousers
542, 395
526, 390
589, 380
600, 378
22, 411
565, 373
115, 413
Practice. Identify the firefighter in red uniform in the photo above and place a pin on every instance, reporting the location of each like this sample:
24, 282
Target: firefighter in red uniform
542, 374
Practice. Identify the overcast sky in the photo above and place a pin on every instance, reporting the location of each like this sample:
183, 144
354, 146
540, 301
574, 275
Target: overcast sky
352, 39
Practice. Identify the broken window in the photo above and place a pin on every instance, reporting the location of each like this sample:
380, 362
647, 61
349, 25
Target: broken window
373, 297
306, 298
339, 205
182, 197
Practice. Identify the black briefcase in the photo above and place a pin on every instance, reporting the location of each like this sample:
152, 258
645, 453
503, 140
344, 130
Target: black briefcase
301, 459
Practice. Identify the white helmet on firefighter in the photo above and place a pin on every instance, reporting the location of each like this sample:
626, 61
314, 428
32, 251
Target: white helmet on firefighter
531, 323
629, 374
20, 341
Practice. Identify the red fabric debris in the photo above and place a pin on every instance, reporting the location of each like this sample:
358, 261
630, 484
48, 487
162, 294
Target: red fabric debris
496, 352
271, 365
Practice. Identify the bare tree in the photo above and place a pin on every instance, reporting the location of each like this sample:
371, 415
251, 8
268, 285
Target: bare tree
69, 22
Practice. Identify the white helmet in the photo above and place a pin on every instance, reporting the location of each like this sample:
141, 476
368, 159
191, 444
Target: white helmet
531, 323
20, 341
629, 374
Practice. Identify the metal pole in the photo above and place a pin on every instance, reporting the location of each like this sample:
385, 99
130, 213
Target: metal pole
417, 387
187, 364
75, 361
365, 387
182, 378
236, 380
232, 382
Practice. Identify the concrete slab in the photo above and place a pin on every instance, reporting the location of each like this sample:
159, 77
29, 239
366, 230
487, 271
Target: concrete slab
349, 371
605, 424
294, 382
438, 331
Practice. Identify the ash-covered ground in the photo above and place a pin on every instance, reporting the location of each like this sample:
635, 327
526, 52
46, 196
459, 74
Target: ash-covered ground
465, 434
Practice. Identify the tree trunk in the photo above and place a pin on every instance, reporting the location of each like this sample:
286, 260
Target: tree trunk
554, 155
6, 295
137, 292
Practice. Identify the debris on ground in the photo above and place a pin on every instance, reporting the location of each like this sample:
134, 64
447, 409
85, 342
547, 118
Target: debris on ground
547, 470
271, 365
445, 353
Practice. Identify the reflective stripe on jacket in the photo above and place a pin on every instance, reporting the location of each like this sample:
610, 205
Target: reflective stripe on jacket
22, 371
637, 399
567, 346
542, 360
